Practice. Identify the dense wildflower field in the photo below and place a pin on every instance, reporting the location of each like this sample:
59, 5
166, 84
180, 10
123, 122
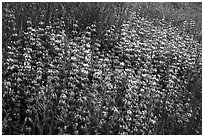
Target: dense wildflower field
101, 68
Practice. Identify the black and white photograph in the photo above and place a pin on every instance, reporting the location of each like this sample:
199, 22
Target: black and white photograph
101, 68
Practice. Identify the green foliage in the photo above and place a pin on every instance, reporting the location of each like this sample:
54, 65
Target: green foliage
98, 68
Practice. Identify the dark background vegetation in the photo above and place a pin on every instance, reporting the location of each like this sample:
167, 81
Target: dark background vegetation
101, 68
